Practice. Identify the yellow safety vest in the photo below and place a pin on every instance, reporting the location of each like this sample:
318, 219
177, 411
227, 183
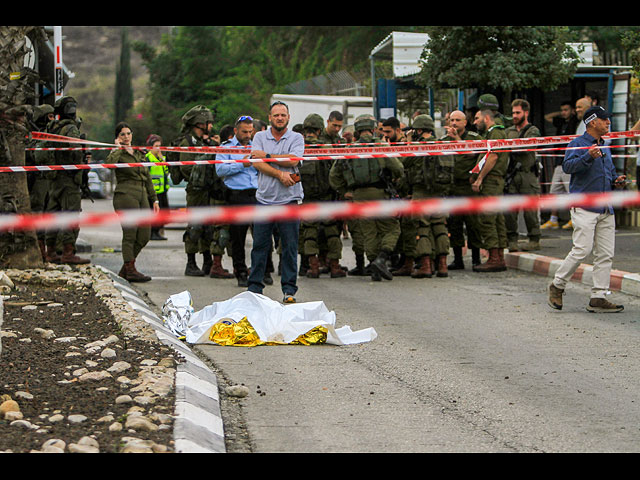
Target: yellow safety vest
159, 174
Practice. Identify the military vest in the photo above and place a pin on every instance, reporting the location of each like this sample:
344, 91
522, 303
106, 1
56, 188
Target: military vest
363, 172
314, 175
432, 174
527, 159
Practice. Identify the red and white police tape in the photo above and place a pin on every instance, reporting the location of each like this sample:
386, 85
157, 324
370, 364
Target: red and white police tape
318, 211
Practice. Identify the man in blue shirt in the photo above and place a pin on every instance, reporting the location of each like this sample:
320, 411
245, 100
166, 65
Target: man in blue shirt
278, 184
241, 182
592, 171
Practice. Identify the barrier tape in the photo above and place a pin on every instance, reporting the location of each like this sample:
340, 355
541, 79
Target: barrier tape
94, 166
318, 211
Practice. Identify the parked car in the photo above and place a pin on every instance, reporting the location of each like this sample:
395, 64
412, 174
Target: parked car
98, 187
177, 195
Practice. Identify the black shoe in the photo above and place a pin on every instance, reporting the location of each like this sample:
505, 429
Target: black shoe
268, 280
375, 276
192, 270
380, 265
243, 280
157, 236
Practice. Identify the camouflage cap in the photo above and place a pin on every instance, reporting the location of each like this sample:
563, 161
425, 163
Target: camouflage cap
314, 121
196, 115
488, 101
424, 122
365, 122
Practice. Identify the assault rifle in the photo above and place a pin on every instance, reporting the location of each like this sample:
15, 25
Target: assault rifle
389, 188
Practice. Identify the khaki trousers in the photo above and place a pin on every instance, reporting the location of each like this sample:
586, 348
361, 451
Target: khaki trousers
595, 232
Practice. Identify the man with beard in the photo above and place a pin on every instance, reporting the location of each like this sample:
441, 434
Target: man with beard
490, 182
278, 184
524, 174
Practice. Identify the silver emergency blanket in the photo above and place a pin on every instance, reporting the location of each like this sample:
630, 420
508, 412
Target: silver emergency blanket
272, 321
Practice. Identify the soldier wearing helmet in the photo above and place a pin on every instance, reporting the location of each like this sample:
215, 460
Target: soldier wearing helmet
65, 193
367, 179
319, 238
204, 188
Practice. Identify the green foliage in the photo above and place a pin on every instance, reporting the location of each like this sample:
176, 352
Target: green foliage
497, 57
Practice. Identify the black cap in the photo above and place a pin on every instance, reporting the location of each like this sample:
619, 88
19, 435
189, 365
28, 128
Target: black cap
595, 112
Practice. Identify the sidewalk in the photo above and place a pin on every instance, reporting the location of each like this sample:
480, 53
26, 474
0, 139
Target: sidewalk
556, 244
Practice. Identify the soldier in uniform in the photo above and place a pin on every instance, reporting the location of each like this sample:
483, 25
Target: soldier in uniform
37, 181
314, 176
65, 193
523, 175
490, 102
330, 134
429, 176
363, 179
202, 185
490, 182
463, 164
134, 190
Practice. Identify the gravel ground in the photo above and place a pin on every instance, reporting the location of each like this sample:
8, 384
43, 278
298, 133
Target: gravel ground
63, 345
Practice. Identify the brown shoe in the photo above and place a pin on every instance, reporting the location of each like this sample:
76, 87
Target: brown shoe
131, 274
555, 297
425, 268
406, 268
602, 305
335, 270
314, 267
217, 271
442, 266
51, 255
70, 258
495, 263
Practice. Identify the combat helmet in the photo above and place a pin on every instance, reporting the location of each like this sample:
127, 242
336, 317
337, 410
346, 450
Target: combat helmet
65, 106
423, 122
365, 122
313, 121
40, 113
196, 115
489, 101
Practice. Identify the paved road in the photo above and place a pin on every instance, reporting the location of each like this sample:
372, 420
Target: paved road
470, 363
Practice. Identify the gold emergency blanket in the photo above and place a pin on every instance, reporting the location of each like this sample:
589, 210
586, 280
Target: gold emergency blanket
242, 334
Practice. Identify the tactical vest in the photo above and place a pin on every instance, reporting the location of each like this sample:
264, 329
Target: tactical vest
158, 174
363, 172
432, 174
314, 175
66, 128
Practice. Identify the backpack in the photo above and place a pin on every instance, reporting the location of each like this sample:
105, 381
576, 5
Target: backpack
172, 156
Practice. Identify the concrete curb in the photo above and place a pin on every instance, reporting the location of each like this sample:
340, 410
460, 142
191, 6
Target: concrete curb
198, 426
621, 281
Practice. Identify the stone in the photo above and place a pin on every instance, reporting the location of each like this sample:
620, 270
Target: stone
237, 391
8, 406
77, 418
94, 376
140, 424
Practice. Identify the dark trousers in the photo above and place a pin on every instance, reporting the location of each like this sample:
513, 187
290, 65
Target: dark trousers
238, 232
262, 233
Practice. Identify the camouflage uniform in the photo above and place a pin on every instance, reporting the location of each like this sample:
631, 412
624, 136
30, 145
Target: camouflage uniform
525, 181
362, 177
428, 177
64, 186
204, 188
314, 175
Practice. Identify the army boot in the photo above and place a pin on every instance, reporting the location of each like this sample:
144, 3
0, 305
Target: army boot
406, 268
133, 275
475, 256
70, 258
494, 264
442, 266
207, 262
192, 270
358, 270
380, 265
217, 271
458, 263
532, 245
314, 267
425, 268
335, 269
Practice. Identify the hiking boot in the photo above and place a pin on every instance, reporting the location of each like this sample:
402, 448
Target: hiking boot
335, 269
70, 258
549, 224
531, 246
602, 305
513, 246
216, 270
314, 267
555, 297
380, 265
192, 270
495, 263
133, 275
425, 268
406, 268
442, 266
